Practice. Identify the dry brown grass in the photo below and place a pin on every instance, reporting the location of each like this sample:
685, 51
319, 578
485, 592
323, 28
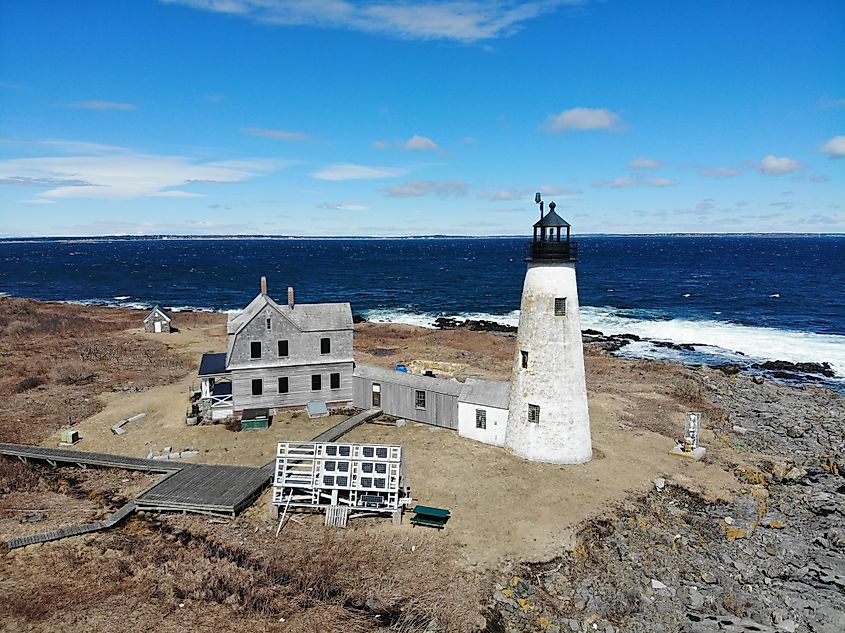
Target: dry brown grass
57, 358
313, 579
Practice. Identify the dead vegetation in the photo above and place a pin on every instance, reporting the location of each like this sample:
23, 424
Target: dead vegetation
309, 580
57, 358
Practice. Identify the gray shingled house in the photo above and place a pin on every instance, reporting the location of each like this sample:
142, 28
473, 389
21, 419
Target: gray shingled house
286, 355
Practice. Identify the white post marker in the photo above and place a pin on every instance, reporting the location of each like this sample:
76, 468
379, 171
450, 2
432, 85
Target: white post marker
689, 448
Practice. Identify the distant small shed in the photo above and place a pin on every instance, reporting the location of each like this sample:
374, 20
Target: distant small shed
158, 321
483, 410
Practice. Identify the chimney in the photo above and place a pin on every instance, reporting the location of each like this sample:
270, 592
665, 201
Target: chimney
264, 285
290, 297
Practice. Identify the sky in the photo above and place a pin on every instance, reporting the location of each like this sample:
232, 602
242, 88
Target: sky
342, 118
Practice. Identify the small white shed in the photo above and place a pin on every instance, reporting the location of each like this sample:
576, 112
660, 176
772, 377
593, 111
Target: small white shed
483, 410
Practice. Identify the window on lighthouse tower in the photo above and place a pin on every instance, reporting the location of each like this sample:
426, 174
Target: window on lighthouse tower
560, 306
534, 414
524, 356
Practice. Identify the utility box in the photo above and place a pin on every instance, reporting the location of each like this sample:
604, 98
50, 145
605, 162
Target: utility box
70, 437
255, 419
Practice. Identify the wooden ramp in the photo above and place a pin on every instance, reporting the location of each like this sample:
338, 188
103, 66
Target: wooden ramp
347, 425
55, 456
76, 530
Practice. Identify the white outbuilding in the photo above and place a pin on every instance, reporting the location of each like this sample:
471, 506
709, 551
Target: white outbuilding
483, 410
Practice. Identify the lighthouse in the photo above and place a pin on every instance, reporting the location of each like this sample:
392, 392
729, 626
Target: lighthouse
548, 420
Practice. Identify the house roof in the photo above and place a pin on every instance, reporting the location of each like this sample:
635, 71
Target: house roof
551, 219
308, 317
161, 311
488, 393
212, 365
441, 385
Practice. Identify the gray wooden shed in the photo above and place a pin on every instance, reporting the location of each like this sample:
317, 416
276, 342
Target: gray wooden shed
410, 396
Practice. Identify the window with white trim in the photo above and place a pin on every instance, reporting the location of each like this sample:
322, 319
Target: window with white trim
419, 399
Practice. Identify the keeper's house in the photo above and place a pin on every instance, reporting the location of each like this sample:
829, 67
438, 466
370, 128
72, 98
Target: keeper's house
281, 357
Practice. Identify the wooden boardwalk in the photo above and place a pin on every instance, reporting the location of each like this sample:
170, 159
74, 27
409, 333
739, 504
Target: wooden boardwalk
55, 456
76, 530
330, 435
200, 488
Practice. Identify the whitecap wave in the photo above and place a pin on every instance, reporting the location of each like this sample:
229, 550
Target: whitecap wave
762, 343
722, 338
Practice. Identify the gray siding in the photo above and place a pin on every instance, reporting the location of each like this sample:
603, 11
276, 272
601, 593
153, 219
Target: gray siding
303, 347
399, 400
299, 382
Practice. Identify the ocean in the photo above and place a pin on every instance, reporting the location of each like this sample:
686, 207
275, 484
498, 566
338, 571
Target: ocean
738, 298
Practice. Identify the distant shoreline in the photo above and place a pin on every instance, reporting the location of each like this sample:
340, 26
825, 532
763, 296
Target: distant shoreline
99, 238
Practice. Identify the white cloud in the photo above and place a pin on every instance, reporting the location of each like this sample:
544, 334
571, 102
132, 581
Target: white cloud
102, 105
526, 194
778, 165
417, 188
349, 171
381, 144
420, 143
637, 180
464, 21
835, 147
720, 172
280, 135
582, 119
643, 162
343, 206
124, 175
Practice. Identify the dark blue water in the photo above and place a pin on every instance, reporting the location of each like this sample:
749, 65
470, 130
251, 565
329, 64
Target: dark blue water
787, 288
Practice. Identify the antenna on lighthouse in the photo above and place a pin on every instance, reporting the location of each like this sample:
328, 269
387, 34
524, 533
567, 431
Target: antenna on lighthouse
539, 200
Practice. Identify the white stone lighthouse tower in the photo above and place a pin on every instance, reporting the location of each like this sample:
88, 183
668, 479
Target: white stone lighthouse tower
548, 420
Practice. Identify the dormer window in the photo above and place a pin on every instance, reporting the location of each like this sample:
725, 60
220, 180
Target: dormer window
255, 349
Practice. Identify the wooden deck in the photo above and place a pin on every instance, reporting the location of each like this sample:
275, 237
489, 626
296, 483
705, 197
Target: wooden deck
206, 489
55, 456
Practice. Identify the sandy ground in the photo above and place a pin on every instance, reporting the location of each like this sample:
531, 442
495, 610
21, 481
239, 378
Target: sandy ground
164, 423
503, 508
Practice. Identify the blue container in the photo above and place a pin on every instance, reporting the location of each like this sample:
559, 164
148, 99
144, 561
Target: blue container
401, 368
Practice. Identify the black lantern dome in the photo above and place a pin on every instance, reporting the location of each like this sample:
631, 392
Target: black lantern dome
551, 238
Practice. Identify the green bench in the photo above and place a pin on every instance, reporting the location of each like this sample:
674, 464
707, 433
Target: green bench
430, 517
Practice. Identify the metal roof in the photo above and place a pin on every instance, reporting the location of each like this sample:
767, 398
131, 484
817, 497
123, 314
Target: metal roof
441, 385
489, 393
161, 311
551, 219
212, 365
308, 317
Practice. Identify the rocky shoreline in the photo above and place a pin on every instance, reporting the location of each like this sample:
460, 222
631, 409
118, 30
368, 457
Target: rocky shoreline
772, 560
792, 373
